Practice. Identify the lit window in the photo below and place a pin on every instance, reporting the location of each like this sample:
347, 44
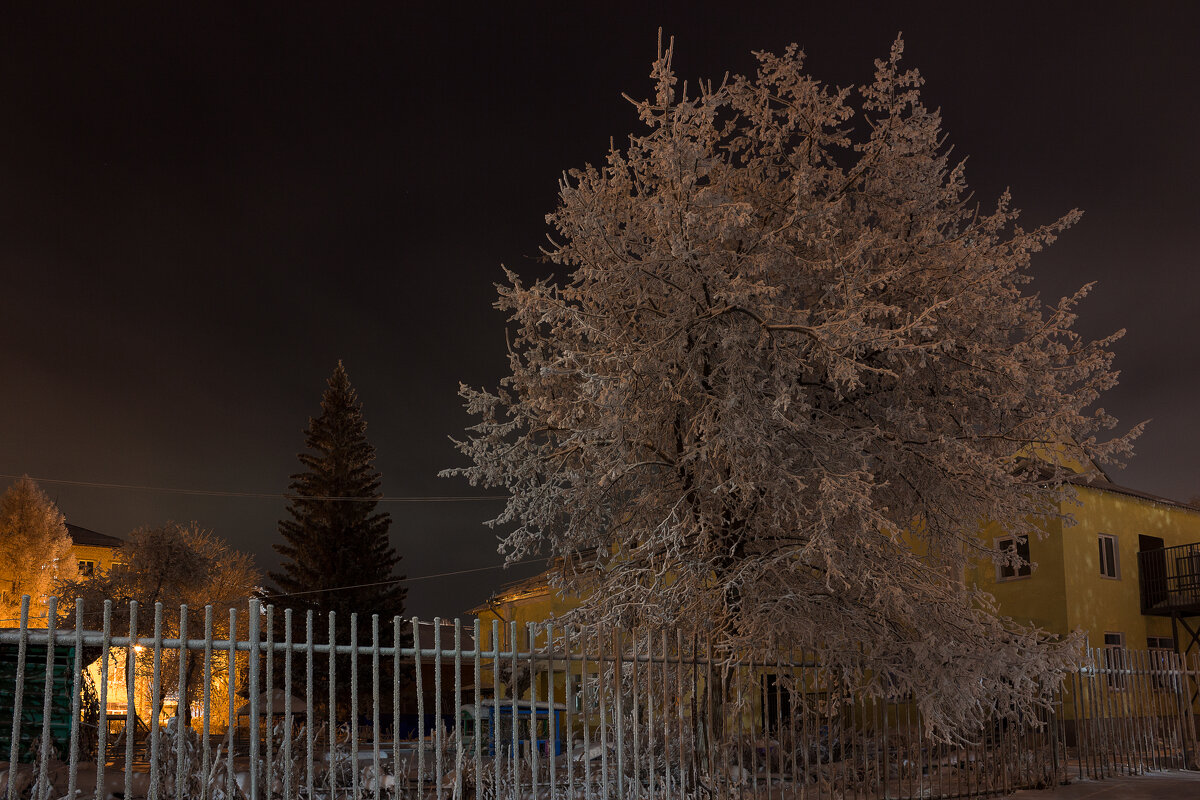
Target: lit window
1110, 556
1005, 572
87, 569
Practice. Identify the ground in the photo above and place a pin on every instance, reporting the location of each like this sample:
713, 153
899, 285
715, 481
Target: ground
1171, 785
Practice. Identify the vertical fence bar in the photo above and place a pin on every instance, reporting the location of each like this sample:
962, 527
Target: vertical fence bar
14, 749
252, 665
603, 642
102, 733
416, 628
206, 694
309, 732
396, 641
334, 755
568, 703
650, 701
42, 786
513, 765
437, 703
533, 748
636, 716
478, 711
495, 746
285, 754
230, 688
76, 701
710, 740
269, 694
615, 684
679, 703
551, 720
354, 742
376, 764
665, 714
130, 699
181, 703
585, 713
155, 700
458, 742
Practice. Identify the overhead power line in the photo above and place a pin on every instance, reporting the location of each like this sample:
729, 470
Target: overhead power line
403, 580
266, 495
343, 588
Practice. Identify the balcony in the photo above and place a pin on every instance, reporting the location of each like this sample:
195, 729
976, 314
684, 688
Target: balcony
1170, 580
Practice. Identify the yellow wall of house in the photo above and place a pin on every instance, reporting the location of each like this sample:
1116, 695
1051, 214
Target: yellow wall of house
1038, 598
1066, 590
536, 606
1098, 604
102, 557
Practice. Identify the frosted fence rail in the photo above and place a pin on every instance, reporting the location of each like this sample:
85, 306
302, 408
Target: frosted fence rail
541, 711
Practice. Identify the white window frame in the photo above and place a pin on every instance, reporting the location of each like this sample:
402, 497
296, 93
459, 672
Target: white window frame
1160, 649
1115, 658
1101, 538
1019, 573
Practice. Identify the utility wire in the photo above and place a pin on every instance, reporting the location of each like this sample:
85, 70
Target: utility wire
395, 581
340, 588
266, 495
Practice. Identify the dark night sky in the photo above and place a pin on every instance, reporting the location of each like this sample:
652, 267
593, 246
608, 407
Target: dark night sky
201, 211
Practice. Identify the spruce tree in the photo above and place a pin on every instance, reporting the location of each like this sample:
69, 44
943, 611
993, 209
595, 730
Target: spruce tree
336, 549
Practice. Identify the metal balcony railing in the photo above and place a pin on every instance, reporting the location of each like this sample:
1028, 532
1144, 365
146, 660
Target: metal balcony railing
1170, 580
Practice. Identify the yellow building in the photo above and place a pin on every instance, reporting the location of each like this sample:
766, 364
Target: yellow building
1084, 576
94, 552
1122, 574
1127, 574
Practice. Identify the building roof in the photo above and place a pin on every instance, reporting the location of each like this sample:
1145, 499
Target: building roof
1109, 486
90, 538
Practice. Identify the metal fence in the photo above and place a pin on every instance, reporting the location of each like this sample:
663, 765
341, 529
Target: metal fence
537, 711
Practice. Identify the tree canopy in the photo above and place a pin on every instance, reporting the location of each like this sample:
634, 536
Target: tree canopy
787, 371
174, 565
35, 549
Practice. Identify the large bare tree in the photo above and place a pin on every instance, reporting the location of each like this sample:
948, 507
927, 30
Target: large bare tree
786, 374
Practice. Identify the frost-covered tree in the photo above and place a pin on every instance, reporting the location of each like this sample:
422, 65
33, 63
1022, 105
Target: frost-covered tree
338, 557
35, 549
787, 372
174, 565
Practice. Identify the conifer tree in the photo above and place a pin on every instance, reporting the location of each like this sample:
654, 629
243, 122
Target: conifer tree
336, 549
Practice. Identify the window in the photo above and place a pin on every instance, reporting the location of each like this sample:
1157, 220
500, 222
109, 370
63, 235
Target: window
587, 693
1110, 557
87, 569
1114, 659
1161, 648
1008, 572
1161, 643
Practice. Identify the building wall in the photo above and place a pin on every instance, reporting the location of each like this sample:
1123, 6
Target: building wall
102, 557
1066, 590
1037, 598
1099, 604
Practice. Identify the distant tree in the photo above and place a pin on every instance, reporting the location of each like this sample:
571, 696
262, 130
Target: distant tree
336, 552
35, 549
788, 373
174, 565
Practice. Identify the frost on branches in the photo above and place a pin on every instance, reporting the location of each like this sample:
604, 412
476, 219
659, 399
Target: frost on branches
786, 375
